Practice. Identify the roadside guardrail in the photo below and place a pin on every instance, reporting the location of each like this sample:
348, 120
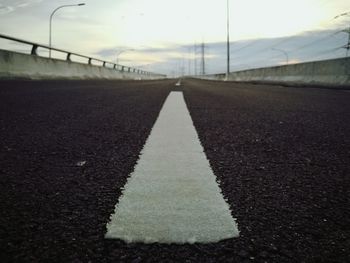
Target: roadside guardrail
34, 52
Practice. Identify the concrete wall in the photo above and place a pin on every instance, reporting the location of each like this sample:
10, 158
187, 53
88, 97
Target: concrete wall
335, 72
17, 65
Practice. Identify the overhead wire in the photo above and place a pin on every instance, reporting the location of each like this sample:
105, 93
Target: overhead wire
323, 52
317, 41
287, 39
328, 36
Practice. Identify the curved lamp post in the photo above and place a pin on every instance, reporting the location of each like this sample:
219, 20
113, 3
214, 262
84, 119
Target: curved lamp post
284, 52
122, 51
53, 12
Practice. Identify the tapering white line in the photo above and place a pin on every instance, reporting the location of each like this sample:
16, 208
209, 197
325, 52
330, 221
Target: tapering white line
172, 195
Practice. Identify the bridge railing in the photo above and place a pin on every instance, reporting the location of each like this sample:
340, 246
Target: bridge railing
35, 46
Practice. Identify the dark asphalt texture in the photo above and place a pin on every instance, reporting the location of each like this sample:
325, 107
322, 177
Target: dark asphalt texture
280, 154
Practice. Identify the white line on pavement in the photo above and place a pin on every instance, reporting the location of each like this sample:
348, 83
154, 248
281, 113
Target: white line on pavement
172, 195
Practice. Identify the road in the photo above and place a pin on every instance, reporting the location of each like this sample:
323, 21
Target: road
281, 156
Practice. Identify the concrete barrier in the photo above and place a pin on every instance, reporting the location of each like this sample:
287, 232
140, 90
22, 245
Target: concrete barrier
18, 65
334, 72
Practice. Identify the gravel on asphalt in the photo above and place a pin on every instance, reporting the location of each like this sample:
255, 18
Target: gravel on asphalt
280, 154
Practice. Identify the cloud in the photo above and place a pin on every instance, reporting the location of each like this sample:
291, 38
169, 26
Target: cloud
5, 9
171, 49
245, 54
8, 6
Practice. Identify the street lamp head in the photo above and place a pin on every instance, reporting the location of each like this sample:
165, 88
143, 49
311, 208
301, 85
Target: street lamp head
343, 14
81, 4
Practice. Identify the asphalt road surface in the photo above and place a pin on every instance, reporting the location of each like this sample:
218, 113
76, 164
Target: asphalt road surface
281, 156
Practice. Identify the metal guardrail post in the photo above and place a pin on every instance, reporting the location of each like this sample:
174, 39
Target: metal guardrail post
35, 47
34, 50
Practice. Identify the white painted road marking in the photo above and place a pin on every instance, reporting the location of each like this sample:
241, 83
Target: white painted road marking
172, 196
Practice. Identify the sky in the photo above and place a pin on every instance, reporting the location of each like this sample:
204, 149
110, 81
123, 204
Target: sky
165, 35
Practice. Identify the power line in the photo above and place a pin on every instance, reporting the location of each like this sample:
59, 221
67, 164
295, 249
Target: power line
246, 46
317, 41
323, 52
294, 50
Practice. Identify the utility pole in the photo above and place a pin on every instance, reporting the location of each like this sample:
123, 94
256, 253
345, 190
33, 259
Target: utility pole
183, 66
202, 59
228, 40
195, 59
347, 47
189, 61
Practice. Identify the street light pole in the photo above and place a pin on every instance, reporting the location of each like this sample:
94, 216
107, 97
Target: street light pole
284, 52
50, 29
348, 46
228, 40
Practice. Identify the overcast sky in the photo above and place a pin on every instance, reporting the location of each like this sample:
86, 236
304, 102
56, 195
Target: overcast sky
161, 33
